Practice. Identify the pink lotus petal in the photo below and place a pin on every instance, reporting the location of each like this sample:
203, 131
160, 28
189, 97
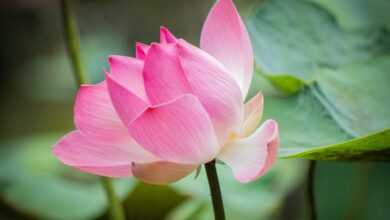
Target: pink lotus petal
95, 116
179, 131
141, 50
217, 91
161, 173
164, 78
128, 105
225, 37
96, 119
121, 171
166, 37
128, 71
94, 157
251, 157
253, 114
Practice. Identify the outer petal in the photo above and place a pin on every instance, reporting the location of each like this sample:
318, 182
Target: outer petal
161, 172
253, 113
179, 131
251, 157
217, 91
164, 78
96, 119
115, 171
166, 37
93, 157
225, 37
128, 71
95, 116
141, 50
127, 104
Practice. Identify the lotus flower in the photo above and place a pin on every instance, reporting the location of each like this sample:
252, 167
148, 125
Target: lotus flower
174, 107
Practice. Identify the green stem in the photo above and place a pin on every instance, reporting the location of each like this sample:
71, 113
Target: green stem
116, 210
215, 191
359, 192
73, 47
310, 194
73, 42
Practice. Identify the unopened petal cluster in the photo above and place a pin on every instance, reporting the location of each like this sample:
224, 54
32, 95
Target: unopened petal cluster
173, 107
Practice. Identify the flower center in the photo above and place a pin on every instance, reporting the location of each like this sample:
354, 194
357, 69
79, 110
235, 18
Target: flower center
232, 136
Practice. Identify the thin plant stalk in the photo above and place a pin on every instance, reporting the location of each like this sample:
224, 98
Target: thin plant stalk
73, 46
360, 191
310, 192
72, 40
215, 191
116, 210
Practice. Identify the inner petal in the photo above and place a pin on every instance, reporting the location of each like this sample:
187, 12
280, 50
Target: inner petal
163, 75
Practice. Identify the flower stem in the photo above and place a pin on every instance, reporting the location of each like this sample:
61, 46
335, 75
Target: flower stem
215, 190
73, 47
310, 195
73, 41
116, 210
360, 191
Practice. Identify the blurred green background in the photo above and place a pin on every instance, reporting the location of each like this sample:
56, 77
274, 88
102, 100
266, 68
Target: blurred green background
37, 95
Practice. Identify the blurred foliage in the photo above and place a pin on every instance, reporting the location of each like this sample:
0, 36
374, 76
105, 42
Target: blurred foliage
352, 191
241, 201
297, 37
371, 147
152, 202
357, 14
34, 182
346, 73
322, 65
357, 95
315, 128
